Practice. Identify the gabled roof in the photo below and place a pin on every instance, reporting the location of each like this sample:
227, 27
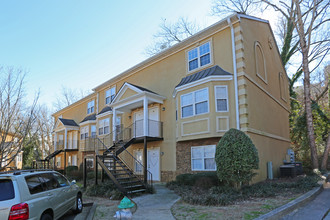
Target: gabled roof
89, 118
142, 88
105, 109
212, 71
68, 122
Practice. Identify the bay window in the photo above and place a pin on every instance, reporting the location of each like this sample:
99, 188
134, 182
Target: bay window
195, 103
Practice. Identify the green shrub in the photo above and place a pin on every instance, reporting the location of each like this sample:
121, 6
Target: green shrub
106, 189
203, 179
69, 169
236, 158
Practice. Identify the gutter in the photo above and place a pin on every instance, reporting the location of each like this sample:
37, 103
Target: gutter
235, 71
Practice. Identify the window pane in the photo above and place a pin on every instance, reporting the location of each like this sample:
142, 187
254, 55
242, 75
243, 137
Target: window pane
192, 54
106, 122
49, 181
197, 152
221, 92
187, 99
100, 131
209, 164
107, 100
197, 164
34, 184
193, 64
209, 152
187, 111
61, 180
204, 49
201, 95
6, 190
206, 59
106, 130
107, 93
93, 128
222, 105
201, 107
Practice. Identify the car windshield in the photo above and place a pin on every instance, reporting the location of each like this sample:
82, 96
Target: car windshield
6, 189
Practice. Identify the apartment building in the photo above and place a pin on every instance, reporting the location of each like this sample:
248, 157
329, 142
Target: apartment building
165, 116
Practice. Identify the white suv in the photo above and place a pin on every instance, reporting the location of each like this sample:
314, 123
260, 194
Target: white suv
33, 194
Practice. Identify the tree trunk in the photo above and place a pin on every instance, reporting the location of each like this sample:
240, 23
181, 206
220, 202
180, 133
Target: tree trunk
308, 104
326, 154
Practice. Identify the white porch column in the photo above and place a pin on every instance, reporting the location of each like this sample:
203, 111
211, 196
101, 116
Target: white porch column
65, 138
55, 141
145, 117
114, 116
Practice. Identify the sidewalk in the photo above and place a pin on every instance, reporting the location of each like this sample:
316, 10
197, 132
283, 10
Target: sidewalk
316, 209
155, 206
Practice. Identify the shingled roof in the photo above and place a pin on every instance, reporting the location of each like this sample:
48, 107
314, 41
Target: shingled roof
89, 118
105, 109
68, 122
212, 71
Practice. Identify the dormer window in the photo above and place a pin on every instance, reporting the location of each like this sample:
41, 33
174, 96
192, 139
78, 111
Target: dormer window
199, 56
110, 95
90, 107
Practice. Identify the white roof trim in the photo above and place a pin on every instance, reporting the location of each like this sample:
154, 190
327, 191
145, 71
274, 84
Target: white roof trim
252, 18
201, 81
87, 122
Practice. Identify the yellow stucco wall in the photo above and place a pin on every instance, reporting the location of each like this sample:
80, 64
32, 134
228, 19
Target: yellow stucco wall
260, 103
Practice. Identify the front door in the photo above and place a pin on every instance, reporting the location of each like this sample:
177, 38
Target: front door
153, 163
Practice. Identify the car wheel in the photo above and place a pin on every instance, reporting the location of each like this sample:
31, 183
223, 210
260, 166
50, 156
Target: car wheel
46, 216
79, 204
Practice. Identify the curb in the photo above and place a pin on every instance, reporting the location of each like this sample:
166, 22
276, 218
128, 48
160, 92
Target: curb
289, 207
90, 215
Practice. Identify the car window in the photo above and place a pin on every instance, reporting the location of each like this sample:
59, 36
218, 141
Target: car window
6, 189
34, 183
61, 180
49, 181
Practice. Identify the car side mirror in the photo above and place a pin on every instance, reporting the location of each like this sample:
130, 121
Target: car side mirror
73, 182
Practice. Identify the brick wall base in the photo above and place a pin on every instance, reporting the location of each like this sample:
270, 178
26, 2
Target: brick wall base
183, 153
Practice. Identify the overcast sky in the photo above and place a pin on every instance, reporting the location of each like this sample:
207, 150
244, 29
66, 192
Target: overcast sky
79, 43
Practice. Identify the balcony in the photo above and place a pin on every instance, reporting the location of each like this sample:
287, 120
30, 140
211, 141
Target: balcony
71, 145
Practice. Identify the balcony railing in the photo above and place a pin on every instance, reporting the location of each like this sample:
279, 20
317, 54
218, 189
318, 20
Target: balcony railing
60, 145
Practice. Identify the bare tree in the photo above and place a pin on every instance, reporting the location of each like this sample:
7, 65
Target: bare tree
67, 97
309, 19
16, 118
45, 125
224, 7
170, 34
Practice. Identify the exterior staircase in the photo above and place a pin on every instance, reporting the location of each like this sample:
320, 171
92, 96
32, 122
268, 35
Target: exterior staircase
121, 174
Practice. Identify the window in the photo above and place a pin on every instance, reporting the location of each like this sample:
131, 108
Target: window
199, 56
34, 184
221, 98
90, 163
138, 163
58, 161
93, 131
84, 132
104, 127
62, 181
74, 160
90, 107
195, 103
203, 158
6, 190
110, 95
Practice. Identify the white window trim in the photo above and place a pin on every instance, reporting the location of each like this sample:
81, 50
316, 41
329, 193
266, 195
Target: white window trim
257, 44
91, 107
215, 97
199, 67
105, 100
102, 126
84, 130
194, 103
203, 158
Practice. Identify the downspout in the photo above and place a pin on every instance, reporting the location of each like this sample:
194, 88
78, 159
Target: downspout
235, 72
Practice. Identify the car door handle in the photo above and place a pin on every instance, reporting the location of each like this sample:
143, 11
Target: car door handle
49, 194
